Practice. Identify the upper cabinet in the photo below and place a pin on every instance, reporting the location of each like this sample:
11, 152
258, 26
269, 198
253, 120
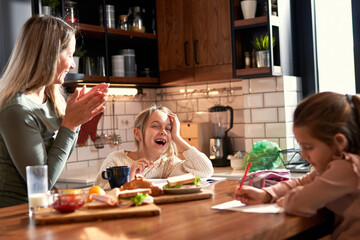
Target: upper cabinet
102, 40
194, 40
271, 27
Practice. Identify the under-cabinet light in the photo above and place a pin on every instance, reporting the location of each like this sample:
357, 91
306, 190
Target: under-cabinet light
115, 91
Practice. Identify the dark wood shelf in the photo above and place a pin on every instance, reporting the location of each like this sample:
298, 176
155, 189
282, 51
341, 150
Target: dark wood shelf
255, 71
263, 20
120, 32
134, 80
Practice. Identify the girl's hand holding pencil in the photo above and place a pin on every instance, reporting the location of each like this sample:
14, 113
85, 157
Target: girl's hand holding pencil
250, 195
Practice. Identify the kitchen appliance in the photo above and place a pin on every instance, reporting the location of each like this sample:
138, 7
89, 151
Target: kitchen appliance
220, 145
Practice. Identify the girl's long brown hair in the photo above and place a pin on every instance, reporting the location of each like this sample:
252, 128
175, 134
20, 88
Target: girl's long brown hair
329, 113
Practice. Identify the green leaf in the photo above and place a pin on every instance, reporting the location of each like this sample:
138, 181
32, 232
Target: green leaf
139, 198
176, 186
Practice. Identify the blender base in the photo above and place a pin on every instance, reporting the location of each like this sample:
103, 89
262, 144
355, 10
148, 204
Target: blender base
220, 162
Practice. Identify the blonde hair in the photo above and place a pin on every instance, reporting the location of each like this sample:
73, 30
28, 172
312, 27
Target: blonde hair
34, 59
326, 114
141, 122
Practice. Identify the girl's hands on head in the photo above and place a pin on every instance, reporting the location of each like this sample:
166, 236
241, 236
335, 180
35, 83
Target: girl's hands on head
83, 106
181, 144
138, 167
175, 126
250, 195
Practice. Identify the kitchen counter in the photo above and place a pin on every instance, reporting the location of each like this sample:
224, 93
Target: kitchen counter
78, 178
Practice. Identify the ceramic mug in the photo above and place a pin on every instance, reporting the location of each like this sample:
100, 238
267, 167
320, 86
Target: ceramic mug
117, 176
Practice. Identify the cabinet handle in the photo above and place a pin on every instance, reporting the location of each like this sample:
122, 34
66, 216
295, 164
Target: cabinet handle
185, 51
195, 54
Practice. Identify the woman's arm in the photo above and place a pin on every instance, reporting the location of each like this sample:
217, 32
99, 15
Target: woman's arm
29, 140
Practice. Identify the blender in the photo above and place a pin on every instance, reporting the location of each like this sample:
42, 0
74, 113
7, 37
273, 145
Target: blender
220, 145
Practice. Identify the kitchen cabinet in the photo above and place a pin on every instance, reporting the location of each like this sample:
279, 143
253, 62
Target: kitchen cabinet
194, 40
197, 135
272, 17
103, 41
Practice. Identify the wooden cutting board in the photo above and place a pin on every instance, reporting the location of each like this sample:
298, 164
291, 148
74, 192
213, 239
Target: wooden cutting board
51, 216
170, 198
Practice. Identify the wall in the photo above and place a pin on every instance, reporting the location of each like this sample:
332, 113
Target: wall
13, 15
262, 110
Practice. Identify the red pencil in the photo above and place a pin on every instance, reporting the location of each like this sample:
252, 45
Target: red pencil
244, 177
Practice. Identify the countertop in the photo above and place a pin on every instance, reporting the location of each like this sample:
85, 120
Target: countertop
87, 177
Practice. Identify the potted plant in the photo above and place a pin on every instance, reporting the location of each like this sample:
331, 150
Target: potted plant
48, 6
79, 52
261, 45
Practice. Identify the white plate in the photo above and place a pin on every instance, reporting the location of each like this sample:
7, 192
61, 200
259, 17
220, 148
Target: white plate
183, 190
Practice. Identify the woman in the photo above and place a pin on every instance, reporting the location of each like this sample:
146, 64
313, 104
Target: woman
158, 140
37, 126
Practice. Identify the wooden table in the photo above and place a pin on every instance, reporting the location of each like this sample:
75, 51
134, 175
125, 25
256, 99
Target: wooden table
185, 220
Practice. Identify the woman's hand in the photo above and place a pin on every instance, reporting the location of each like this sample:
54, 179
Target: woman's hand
83, 106
250, 195
138, 167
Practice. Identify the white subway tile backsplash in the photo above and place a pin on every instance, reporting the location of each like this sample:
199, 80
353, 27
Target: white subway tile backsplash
238, 144
239, 116
205, 103
291, 98
125, 122
236, 102
73, 156
262, 115
85, 153
275, 99
292, 83
133, 107
236, 131
253, 101
104, 152
260, 85
275, 130
281, 114
189, 105
261, 109
96, 163
77, 165
279, 84
119, 108
248, 144
245, 86
254, 131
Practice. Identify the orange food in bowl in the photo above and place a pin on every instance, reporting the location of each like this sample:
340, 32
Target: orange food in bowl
95, 190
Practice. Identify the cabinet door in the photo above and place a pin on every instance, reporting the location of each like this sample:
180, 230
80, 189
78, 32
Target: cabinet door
212, 39
174, 40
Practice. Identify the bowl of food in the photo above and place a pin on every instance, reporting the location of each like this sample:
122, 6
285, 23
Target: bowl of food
68, 200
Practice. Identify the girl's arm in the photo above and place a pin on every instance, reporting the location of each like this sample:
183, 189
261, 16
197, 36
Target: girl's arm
337, 181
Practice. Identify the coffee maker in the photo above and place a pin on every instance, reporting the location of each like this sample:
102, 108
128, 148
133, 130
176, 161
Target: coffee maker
220, 145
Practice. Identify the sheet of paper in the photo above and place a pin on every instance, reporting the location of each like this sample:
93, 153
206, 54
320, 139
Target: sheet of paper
236, 205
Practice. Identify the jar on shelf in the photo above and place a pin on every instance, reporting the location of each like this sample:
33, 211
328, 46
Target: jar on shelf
71, 12
137, 24
247, 59
123, 22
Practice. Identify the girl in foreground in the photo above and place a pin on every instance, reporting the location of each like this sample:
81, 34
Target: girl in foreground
158, 140
326, 125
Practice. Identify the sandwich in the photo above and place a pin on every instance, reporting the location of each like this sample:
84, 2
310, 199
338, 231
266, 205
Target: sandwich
141, 182
135, 197
179, 181
125, 198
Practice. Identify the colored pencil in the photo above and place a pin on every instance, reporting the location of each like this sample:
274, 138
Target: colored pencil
244, 177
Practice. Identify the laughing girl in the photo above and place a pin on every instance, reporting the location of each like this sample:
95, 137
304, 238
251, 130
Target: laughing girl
158, 142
